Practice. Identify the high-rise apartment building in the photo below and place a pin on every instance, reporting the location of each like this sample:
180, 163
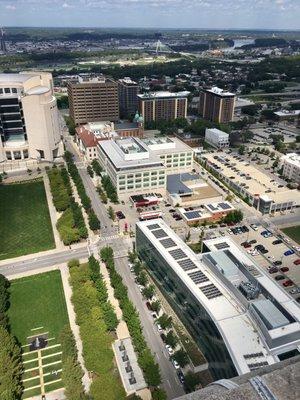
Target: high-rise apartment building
216, 105
29, 124
128, 100
3, 48
93, 99
163, 105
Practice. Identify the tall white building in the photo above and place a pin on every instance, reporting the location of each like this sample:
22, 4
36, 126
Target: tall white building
291, 167
29, 124
216, 138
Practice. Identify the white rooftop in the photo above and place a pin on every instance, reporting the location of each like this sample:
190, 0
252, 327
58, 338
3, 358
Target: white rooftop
292, 158
163, 94
217, 132
233, 320
15, 78
220, 92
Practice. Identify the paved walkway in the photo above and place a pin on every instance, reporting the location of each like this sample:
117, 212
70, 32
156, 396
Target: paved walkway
65, 275
53, 213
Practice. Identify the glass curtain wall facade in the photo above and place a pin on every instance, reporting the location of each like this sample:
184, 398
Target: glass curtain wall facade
188, 308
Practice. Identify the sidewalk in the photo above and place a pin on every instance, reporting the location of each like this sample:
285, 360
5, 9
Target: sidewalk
65, 275
53, 213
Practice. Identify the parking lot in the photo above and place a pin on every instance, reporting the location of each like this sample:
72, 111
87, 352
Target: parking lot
275, 253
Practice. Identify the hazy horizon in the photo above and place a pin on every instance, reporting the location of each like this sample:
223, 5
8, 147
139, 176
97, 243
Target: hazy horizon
155, 14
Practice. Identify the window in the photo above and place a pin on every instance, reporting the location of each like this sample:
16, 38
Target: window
25, 153
17, 155
14, 90
7, 90
8, 155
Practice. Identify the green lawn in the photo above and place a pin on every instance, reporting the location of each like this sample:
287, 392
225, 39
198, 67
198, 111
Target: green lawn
37, 301
24, 220
293, 232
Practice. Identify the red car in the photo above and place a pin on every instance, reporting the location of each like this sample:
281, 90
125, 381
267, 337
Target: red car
284, 269
297, 262
288, 283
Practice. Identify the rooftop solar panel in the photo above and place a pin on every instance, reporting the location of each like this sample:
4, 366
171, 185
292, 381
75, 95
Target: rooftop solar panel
153, 226
211, 291
160, 233
222, 245
168, 243
198, 277
211, 207
187, 264
192, 214
177, 254
224, 206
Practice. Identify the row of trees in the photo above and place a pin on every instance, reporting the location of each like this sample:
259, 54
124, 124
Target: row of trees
110, 189
70, 225
71, 370
145, 359
96, 167
97, 340
11, 368
94, 222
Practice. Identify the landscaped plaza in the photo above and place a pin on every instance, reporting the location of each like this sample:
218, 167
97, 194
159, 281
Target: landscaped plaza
24, 220
37, 315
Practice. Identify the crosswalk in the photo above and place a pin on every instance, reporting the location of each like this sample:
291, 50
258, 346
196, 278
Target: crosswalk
105, 238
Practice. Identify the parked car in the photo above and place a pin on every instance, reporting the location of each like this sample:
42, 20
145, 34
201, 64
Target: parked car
289, 252
148, 305
175, 363
254, 227
284, 269
277, 262
288, 283
279, 278
278, 241
120, 215
297, 262
159, 328
181, 377
273, 270
163, 337
169, 349
253, 241
230, 231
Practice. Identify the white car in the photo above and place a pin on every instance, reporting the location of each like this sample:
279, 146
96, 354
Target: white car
254, 227
159, 328
175, 363
230, 231
169, 349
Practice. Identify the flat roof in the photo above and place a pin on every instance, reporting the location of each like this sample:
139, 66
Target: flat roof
258, 182
15, 78
270, 314
175, 183
163, 94
231, 318
217, 132
166, 145
219, 92
292, 158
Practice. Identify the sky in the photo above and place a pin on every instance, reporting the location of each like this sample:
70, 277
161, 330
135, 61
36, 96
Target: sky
205, 14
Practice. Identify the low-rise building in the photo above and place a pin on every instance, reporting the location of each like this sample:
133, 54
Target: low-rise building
136, 165
266, 195
291, 167
236, 334
210, 212
216, 138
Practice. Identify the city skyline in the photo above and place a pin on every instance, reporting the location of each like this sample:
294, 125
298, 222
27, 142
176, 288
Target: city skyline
208, 14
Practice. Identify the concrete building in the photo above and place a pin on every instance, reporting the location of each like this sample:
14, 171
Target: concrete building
216, 105
278, 381
251, 183
157, 106
3, 48
216, 138
136, 165
93, 99
291, 167
29, 124
210, 212
236, 334
128, 100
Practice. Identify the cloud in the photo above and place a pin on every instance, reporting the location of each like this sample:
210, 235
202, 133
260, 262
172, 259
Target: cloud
10, 7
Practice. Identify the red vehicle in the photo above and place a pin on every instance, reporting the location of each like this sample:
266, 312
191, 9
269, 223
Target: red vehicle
284, 269
297, 262
288, 283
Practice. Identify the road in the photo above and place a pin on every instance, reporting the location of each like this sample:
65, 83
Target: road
170, 381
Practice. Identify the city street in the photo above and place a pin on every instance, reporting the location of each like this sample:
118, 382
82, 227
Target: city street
168, 373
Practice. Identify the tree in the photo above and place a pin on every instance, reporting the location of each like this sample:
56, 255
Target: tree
234, 216
191, 381
132, 256
94, 222
156, 306
242, 150
111, 213
165, 321
150, 368
142, 278
97, 167
171, 339
90, 171
10, 367
181, 357
159, 394
148, 292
